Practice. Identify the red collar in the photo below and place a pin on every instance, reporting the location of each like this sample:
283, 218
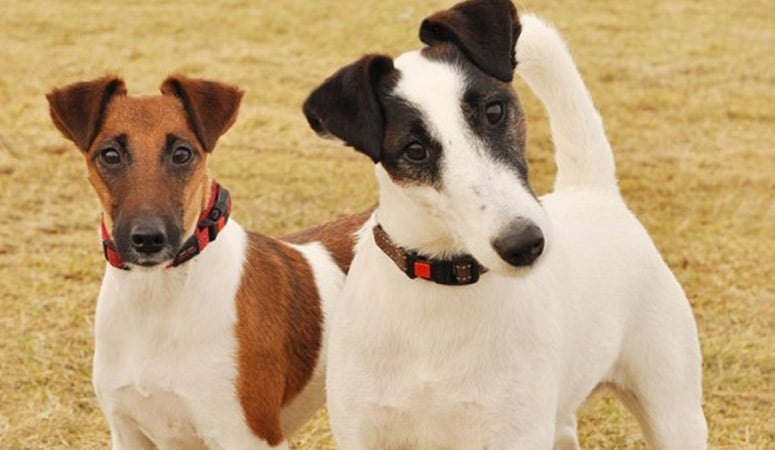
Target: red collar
211, 222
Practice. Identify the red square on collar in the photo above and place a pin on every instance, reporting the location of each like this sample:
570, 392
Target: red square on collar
422, 269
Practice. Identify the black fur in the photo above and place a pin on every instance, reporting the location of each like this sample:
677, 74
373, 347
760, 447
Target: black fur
505, 140
485, 30
357, 105
346, 105
405, 125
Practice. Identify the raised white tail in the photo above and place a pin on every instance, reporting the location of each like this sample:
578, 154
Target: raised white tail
582, 151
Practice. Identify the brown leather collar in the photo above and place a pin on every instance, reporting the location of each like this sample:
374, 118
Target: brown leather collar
458, 271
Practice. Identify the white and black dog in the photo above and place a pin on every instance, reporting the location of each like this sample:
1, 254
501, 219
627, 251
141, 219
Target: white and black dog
475, 315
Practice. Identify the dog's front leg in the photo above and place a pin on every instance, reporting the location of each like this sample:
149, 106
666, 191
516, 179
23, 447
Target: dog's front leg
125, 435
566, 434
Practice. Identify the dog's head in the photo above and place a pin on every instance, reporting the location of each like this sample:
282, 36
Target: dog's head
447, 132
146, 156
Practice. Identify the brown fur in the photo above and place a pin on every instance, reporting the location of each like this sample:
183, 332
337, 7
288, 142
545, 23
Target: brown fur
279, 332
94, 112
337, 236
146, 122
279, 325
77, 109
211, 107
279, 315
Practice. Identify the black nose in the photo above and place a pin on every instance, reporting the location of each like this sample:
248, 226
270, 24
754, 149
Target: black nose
148, 237
520, 243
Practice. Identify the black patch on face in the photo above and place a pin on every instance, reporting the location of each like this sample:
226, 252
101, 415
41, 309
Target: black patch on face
504, 140
404, 126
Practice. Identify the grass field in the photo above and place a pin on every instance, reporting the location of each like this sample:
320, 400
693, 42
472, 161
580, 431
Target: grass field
686, 88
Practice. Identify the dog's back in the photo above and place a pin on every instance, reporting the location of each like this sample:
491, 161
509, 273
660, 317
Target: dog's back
302, 275
337, 236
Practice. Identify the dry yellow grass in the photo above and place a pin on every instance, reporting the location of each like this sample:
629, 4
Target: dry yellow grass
686, 89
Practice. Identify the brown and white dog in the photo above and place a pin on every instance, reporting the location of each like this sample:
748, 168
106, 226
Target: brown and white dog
206, 335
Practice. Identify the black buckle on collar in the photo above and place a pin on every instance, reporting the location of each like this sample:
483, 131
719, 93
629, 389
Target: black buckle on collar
220, 208
211, 224
458, 272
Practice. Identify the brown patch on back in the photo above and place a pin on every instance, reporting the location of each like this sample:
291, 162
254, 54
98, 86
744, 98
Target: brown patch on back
337, 236
279, 319
279, 330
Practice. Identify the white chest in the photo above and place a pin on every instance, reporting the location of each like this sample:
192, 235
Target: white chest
165, 346
442, 366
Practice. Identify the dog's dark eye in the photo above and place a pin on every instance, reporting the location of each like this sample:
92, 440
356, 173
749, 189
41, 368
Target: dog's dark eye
110, 157
494, 111
181, 154
416, 152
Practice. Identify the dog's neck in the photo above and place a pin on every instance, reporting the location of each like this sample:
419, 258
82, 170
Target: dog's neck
409, 225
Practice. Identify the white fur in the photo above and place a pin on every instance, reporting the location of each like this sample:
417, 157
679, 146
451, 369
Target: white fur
582, 151
165, 351
505, 363
452, 220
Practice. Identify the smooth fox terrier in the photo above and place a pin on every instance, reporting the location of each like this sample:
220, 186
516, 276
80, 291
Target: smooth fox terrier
475, 315
206, 336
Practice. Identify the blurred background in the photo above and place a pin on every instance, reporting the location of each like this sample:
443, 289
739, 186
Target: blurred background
686, 90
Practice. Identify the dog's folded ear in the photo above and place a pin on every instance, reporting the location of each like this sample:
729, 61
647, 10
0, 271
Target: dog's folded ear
211, 107
347, 105
485, 30
77, 109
